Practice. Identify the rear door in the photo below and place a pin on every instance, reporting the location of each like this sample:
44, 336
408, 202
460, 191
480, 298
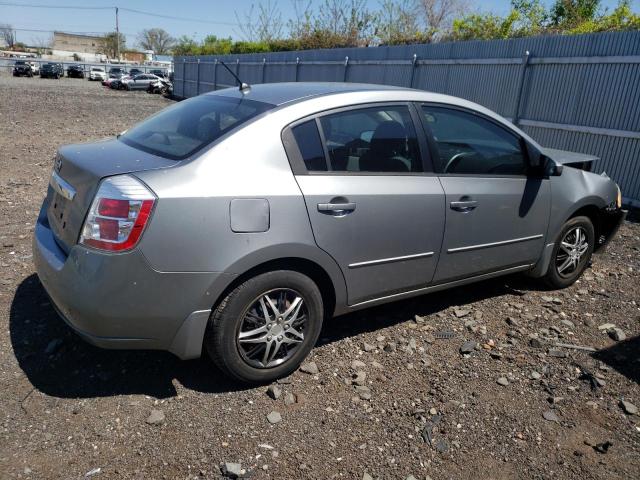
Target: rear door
496, 214
373, 203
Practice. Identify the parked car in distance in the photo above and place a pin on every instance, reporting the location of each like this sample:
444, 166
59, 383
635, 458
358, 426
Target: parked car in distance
135, 71
160, 86
75, 71
139, 82
235, 222
25, 68
97, 74
51, 70
158, 72
117, 83
115, 72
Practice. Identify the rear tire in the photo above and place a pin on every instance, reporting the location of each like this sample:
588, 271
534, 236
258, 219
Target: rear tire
571, 253
284, 334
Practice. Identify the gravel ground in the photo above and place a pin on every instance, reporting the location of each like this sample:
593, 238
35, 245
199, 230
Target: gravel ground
393, 395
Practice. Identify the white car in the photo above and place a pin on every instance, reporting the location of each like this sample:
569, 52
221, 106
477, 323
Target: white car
97, 73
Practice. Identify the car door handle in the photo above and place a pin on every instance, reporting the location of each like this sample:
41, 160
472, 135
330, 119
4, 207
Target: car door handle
463, 206
337, 208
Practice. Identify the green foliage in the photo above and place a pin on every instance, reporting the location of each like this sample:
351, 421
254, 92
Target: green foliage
484, 27
349, 23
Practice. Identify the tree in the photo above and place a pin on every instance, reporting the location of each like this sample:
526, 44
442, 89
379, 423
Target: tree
186, 46
439, 15
112, 44
8, 34
574, 12
265, 27
397, 22
156, 39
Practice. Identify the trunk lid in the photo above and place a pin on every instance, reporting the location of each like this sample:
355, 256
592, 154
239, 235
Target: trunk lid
76, 175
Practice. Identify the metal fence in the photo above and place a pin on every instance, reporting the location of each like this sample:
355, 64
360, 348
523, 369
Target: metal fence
579, 93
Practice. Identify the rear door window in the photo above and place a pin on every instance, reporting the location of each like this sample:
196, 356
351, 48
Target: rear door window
181, 130
373, 139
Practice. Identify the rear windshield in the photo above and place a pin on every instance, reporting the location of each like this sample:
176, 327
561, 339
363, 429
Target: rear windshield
181, 130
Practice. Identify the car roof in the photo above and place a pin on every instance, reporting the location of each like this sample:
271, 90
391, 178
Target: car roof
287, 92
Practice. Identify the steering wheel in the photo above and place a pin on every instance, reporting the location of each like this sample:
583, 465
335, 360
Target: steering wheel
453, 161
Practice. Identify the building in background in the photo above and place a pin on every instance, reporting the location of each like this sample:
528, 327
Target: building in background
85, 47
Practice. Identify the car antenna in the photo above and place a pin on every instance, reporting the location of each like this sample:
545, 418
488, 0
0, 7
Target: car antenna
242, 86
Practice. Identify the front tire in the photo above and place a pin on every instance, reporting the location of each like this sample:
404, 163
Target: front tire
265, 327
571, 253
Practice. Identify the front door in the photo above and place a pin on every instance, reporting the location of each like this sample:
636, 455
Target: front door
496, 215
371, 205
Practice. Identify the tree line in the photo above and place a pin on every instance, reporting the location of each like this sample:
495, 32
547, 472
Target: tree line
351, 23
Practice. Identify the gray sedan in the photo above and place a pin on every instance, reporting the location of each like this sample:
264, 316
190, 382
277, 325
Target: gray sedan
238, 220
138, 82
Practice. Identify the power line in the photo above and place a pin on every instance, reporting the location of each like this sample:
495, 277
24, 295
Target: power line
31, 5
130, 10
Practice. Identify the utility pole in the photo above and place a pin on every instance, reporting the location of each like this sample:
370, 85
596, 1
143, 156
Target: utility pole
117, 36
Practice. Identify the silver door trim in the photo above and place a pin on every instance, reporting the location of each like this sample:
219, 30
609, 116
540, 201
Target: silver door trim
61, 186
390, 260
494, 244
441, 286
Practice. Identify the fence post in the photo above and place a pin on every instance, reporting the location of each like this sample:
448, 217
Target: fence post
346, 66
264, 64
215, 74
297, 64
184, 68
523, 69
198, 77
414, 63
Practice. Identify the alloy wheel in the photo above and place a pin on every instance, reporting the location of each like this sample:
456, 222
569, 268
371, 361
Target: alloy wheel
573, 247
272, 328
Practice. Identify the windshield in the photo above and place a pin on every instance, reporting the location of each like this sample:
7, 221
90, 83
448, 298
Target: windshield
20, 62
185, 128
97, 70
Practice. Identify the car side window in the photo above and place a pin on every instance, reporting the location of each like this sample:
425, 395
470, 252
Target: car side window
310, 145
372, 139
469, 144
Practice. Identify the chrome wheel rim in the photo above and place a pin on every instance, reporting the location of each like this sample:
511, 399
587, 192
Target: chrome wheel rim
273, 327
573, 247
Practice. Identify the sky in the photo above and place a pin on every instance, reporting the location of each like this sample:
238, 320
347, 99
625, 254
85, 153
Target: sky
179, 17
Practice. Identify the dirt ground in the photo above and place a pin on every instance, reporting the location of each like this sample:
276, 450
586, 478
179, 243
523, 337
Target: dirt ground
517, 406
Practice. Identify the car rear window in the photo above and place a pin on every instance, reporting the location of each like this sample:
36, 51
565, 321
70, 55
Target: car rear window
181, 130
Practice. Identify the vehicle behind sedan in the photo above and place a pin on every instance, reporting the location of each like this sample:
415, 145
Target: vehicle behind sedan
139, 82
75, 71
22, 68
235, 222
51, 70
97, 74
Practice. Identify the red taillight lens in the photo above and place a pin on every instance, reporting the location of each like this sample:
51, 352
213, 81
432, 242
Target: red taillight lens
118, 215
110, 207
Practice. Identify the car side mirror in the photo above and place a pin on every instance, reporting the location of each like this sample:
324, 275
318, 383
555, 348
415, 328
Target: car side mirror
553, 169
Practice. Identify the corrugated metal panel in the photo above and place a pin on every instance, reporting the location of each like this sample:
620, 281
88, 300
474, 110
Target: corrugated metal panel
564, 87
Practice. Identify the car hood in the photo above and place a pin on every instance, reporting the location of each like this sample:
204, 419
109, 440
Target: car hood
564, 157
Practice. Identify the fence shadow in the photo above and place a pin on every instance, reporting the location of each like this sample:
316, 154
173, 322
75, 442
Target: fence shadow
624, 357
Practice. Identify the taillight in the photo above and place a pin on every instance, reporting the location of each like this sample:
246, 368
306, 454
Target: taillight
118, 215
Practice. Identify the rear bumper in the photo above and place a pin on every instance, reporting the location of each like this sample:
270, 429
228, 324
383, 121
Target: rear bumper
119, 301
